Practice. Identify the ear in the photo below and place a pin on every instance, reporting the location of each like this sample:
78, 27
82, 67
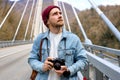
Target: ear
48, 22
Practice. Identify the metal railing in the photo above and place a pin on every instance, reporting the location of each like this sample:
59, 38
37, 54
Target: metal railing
15, 43
102, 69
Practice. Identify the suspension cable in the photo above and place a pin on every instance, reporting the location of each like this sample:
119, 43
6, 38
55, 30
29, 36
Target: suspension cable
7, 14
33, 24
59, 4
29, 20
38, 18
20, 21
106, 20
66, 16
81, 28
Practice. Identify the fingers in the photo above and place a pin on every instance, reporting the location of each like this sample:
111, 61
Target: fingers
47, 64
49, 67
63, 68
60, 72
49, 58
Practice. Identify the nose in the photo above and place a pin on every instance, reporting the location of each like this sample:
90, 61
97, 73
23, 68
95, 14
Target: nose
60, 15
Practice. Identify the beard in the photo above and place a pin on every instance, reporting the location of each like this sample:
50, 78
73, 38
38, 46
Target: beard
56, 27
58, 24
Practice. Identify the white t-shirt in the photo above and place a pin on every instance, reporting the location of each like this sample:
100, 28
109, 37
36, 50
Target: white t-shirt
54, 41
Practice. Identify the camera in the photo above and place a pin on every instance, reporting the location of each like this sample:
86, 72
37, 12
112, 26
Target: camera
57, 63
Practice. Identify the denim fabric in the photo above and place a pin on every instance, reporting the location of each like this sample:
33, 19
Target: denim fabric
70, 48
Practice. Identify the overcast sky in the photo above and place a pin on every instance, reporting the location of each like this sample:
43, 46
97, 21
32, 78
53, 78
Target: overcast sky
84, 4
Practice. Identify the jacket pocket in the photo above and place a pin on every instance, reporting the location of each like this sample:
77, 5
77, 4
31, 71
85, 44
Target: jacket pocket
69, 57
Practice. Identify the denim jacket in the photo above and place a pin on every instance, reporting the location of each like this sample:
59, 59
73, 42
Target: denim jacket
70, 48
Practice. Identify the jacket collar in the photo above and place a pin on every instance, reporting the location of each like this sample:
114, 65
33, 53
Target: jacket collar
64, 34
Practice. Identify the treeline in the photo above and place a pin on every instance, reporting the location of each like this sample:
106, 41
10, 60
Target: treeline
96, 29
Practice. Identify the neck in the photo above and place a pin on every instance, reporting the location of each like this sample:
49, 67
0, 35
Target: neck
56, 30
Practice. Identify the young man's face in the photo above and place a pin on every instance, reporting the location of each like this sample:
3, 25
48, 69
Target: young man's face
55, 18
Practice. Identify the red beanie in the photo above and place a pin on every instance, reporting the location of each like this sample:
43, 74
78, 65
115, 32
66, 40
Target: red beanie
45, 13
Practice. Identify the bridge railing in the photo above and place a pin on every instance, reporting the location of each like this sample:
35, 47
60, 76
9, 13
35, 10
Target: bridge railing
101, 68
102, 52
15, 43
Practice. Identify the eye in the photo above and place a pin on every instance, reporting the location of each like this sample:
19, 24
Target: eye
60, 13
55, 13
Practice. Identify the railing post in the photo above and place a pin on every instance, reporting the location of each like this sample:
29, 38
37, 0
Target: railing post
106, 78
98, 75
118, 60
85, 72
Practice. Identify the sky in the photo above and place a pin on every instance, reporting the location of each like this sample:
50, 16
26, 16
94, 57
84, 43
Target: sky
84, 4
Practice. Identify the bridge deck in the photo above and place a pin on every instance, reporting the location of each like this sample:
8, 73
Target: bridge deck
13, 63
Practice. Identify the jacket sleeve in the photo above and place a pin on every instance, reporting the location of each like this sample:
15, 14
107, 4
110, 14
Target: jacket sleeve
33, 59
80, 58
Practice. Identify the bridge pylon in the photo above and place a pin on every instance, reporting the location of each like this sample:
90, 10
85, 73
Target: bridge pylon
55, 2
38, 19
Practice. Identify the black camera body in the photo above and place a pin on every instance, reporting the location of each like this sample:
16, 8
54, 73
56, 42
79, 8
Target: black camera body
57, 63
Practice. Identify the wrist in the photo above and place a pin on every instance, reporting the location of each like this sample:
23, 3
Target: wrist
66, 73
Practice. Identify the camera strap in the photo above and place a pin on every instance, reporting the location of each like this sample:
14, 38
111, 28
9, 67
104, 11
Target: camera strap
40, 51
65, 45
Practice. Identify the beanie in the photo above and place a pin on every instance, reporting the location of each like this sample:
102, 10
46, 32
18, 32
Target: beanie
45, 13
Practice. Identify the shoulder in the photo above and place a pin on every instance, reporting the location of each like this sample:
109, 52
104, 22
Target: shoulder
39, 36
72, 35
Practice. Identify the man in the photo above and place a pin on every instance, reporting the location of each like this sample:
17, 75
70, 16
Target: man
57, 43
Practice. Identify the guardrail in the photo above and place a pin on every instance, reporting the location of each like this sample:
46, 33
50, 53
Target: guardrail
102, 69
11, 43
100, 50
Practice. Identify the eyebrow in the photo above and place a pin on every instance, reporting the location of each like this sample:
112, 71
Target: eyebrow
57, 12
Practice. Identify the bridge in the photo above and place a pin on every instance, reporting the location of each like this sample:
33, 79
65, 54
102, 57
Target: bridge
14, 52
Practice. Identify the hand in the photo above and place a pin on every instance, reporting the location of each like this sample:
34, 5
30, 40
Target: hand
47, 64
61, 71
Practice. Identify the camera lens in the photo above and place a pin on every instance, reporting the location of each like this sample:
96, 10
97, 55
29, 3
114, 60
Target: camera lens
57, 66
